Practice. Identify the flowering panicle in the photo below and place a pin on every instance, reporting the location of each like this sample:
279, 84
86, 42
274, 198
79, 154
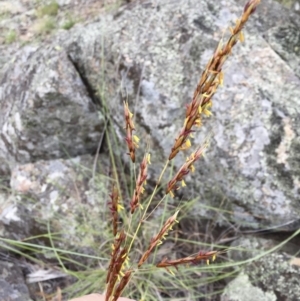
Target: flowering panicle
157, 240
140, 182
131, 140
184, 170
188, 260
116, 271
119, 289
211, 78
114, 254
115, 207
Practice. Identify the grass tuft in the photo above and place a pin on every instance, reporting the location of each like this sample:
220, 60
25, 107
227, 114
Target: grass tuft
10, 37
45, 26
69, 23
50, 9
120, 270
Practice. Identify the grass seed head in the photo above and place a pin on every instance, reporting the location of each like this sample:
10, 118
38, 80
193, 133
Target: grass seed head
250, 6
115, 251
140, 183
119, 289
184, 170
131, 140
115, 207
157, 240
115, 270
211, 78
201, 256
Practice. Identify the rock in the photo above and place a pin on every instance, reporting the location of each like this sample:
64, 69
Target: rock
63, 2
270, 278
253, 159
63, 194
46, 112
12, 283
16, 220
282, 36
291, 4
241, 289
285, 40
265, 273
248, 247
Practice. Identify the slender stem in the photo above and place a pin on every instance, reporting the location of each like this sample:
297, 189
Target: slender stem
156, 206
130, 219
162, 173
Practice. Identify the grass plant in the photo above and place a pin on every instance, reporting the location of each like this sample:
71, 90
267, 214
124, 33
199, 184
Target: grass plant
120, 269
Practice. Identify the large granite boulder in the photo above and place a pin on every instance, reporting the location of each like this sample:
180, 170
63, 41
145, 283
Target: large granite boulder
253, 160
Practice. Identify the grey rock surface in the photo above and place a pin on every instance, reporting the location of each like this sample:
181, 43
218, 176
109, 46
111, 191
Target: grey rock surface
12, 283
269, 278
248, 247
294, 5
49, 92
61, 193
241, 289
285, 40
54, 197
45, 109
16, 220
